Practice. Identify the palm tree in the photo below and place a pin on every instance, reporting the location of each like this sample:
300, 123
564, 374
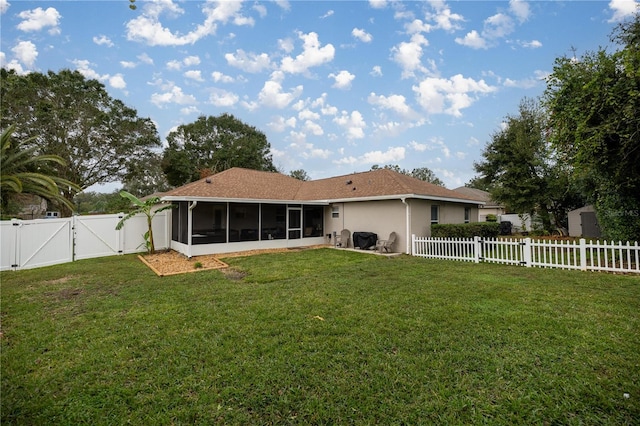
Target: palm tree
22, 170
145, 207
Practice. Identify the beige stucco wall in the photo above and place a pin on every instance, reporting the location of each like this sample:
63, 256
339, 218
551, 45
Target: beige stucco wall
380, 217
384, 217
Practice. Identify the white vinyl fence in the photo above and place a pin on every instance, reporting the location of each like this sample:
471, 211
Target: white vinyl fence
26, 244
582, 255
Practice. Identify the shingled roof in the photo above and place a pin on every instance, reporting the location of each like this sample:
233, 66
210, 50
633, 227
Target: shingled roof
246, 184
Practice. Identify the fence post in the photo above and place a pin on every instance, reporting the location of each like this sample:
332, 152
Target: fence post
413, 244
526, 252
583, 254
477, 249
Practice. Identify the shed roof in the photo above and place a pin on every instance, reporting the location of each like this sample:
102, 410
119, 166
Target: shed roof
246, 184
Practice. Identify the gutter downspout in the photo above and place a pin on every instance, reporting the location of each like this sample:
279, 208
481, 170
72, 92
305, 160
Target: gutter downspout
190, 227
408, 227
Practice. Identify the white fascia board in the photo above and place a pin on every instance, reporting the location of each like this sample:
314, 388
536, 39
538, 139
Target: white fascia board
405, 196
242, 200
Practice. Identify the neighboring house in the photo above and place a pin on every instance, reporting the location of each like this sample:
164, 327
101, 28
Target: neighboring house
241, 209
489, 207
31, 206
584, 223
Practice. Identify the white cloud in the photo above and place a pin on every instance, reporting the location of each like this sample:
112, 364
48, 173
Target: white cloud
378, 4
13, 65
353, 124
223, 98
520, 9
449, 96
189, 61
376, 71
286, 44
284, 4
307, 114
249, 62
272, 95
4, 6
84, 67
392, 155
146, 59
194, 75
472, 40
443, 17
342, 80
313, 127
329, 13
189, 110
117, 81
219, 77
396, 103
280, 124
623, 9
261, 9
498, 26
420, 147
312, 55
128, 64
174, 65
533, 44
148, 29
103, 40
174, 95
409, 55
26, 52
38, 19
362, 35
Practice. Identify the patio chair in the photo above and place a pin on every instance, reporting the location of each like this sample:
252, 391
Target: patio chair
386, 246
342, 240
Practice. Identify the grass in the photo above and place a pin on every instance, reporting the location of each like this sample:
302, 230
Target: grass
319, 337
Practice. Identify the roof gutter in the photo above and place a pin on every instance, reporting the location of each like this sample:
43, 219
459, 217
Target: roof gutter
241, 200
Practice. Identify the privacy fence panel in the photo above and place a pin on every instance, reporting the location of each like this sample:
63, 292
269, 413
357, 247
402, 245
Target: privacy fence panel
96, 236
28, 244
582, 255
36, 243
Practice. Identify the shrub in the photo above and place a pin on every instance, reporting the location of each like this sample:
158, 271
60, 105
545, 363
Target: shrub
466, 230
492, 218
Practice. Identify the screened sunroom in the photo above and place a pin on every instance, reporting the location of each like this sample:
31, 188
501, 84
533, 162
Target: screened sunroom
205, 227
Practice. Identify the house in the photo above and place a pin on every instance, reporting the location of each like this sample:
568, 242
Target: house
241, 209
489, 207
584, 223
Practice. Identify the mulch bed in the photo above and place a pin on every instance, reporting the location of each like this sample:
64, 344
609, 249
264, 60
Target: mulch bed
171, 262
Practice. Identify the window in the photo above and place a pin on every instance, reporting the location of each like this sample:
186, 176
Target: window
467, 214
244, 222
274, 222
335, 212
435, 216
312, 218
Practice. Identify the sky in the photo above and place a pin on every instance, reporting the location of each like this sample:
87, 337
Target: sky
336, 86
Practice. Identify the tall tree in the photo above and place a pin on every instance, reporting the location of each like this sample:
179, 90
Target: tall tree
594, 106
23, 171
299, 174
520, 168
211, 145
422, 173
99, 138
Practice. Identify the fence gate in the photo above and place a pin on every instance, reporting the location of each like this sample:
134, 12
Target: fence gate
36, 243
95, 236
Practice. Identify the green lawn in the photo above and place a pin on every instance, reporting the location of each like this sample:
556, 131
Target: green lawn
319, 337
